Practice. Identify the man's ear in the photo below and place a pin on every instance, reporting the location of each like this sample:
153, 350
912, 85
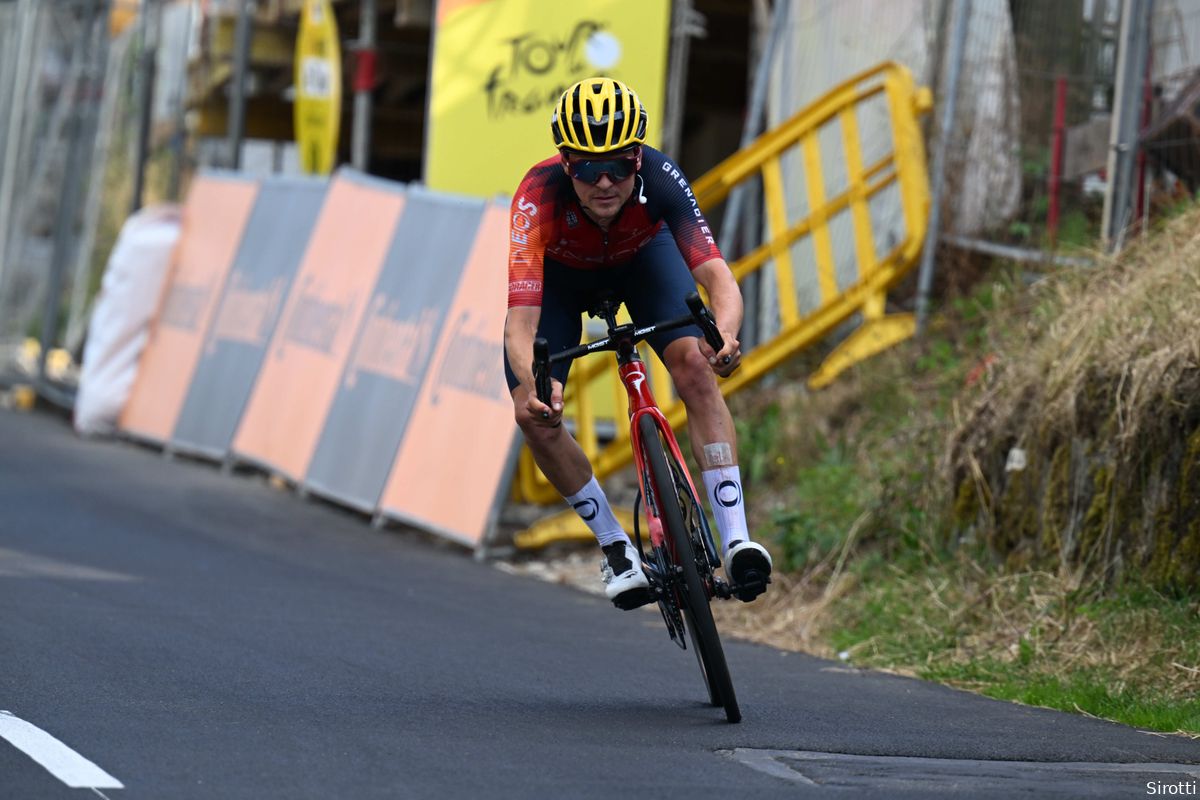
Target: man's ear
563, 159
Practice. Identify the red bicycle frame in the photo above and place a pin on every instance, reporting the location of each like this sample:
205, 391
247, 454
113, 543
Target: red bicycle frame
641, 403
681, 568
623, 339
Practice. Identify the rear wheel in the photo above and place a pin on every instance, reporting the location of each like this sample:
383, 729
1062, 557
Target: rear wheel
673, 506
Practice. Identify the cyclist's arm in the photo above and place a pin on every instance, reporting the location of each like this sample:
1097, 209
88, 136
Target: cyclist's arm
725, 302
724, 295
520, 327
528, 231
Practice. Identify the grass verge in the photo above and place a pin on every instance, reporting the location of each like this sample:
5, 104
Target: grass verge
850, 485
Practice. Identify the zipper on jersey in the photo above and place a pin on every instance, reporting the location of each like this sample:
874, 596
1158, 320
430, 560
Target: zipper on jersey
603, 232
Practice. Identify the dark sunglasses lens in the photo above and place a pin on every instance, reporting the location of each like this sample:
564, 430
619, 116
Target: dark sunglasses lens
622, 168
590, 171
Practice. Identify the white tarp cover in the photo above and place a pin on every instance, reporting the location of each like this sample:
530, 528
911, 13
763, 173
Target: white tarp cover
120, 323
830, 40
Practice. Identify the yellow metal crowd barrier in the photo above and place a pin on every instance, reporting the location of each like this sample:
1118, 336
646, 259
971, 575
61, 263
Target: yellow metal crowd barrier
900, 169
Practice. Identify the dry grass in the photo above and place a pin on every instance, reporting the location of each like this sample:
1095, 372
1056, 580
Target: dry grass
1132, 322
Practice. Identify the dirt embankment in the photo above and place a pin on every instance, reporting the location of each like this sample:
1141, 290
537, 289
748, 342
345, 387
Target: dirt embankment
1082, 447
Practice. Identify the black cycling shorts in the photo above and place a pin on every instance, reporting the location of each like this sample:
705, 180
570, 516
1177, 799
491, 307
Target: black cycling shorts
652, 285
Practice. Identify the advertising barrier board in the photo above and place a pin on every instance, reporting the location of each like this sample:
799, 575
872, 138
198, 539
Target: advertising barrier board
303, 368
272, 246
217, 210
390, 355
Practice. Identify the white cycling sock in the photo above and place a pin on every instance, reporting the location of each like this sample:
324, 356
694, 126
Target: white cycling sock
723, 486
591, 504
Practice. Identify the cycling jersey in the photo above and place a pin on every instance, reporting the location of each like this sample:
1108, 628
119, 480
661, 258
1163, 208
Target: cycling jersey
652, 285
549, 222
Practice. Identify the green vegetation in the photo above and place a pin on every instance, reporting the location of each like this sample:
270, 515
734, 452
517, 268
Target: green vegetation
1128, 654
1068, 582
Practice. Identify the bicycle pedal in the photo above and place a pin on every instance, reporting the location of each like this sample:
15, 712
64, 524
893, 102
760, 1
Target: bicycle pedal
634, 598
754, 585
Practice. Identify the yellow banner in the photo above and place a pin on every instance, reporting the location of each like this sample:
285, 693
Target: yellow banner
499, 67
318, 81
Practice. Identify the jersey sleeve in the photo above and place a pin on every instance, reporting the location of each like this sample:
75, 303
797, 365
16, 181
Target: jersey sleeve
529, 228
670, 191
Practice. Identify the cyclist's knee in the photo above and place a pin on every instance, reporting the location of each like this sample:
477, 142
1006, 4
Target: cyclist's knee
692, 374
524, 420
535, 434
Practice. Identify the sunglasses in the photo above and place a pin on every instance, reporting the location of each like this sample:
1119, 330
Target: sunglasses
590, 170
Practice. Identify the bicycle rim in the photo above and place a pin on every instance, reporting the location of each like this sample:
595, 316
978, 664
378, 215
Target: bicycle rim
696, 611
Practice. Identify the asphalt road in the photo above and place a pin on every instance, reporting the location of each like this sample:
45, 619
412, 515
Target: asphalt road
193, 634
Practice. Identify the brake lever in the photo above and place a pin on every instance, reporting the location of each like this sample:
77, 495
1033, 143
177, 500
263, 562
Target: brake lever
708, 325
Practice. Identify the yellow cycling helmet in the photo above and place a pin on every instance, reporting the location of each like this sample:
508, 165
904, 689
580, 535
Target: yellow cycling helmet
598, 115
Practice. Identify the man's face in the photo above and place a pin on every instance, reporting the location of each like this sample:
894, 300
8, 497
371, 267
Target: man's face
605, 182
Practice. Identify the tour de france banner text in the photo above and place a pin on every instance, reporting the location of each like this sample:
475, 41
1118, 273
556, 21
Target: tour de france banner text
499, 67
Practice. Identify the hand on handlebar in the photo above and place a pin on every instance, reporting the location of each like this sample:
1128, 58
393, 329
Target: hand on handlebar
719, 346
728, 359
548, 416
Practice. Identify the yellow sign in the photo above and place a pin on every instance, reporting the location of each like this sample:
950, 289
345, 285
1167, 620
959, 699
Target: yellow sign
318, 83
499, 67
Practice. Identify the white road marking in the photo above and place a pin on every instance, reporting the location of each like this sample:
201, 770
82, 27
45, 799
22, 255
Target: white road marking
16, 564
59, 760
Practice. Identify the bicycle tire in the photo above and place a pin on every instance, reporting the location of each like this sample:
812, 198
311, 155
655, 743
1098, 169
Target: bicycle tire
714, 692
696, 611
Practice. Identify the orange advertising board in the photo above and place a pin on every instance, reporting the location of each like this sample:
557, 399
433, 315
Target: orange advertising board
308, 352
213, 221
460, 438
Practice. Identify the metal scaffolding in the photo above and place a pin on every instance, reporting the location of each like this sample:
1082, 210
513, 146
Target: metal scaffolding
54, 57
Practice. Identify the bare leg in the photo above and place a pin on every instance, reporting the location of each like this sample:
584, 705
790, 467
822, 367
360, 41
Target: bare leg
709, 420
714, 444
555, 451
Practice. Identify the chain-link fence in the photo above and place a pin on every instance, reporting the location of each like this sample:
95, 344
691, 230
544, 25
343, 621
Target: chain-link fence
1031, 145
1172, 138
1067, 102
1057, 72
72, 74
52, 67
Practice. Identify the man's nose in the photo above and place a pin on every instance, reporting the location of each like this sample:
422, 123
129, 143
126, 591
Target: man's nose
605, 182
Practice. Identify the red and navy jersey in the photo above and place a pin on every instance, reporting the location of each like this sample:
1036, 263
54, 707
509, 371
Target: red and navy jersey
548, 222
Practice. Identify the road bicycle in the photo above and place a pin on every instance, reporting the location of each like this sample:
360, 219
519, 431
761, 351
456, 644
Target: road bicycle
683, 556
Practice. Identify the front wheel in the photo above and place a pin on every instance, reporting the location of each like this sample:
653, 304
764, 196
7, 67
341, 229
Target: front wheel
671, 507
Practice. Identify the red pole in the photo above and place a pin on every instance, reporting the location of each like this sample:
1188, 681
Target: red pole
1056, 155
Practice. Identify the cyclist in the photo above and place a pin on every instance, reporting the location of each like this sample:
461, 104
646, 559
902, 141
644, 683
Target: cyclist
609, 213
